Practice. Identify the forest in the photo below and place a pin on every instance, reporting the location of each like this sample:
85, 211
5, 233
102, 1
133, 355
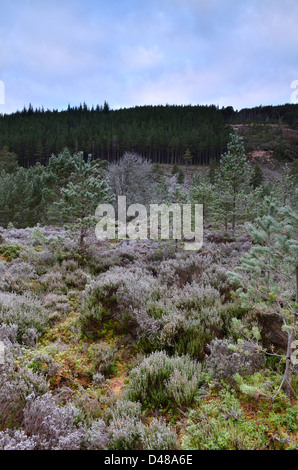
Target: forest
163, 134
139, 344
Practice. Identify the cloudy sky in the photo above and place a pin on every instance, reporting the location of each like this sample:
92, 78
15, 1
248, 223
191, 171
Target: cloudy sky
133, 52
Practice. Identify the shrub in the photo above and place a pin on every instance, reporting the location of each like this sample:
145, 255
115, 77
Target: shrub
128, 432
53, 426
8, 335
75, 279
288, 420
102, 356
16, 440
164, 317
55, 302
17, 276
125, 433
188, 320
53, 281
45, 259
122, 409
16, 383
120, 294
125, 425
97, 436
25, 311
10, 252
180, 270
159, 436
221, 426
44, 363
224, 362
162, 380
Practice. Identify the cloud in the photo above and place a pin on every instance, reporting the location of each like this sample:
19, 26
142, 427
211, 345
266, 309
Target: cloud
134, 52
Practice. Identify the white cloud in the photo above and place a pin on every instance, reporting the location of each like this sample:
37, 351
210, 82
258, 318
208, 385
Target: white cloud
134, 52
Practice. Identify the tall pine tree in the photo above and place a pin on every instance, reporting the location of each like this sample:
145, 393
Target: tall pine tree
86, 189
232, 183
269, 274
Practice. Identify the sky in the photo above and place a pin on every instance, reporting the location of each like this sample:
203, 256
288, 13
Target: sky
239, 53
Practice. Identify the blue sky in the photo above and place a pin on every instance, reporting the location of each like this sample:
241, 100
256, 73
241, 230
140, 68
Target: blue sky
241, 53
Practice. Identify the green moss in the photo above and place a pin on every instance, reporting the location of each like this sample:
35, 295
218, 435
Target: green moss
10, 252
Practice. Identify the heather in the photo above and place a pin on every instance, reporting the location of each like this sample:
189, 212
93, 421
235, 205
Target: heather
141, 344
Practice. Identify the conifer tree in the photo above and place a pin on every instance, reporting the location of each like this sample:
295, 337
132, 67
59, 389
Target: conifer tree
188, 156
175, 169
8, 161
181, 176
202, 192
232, 182
285, 187
57, 176
179, 172
213, 166
257, 177
86, 189
269, 274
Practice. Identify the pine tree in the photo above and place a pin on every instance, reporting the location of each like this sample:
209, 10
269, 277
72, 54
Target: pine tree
232, 182
213, 167
176, 170
284, 188
106, 107
17, 196
202, 192
257, 177
57, 176
188, 157
269, 274
86, 189
8, 161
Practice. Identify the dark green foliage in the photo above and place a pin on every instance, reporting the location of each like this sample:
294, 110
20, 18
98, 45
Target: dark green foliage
257, 177
287, 113
214, 164
160, 133
178, 171
79, 199
232, 183
8, 161
188, 157
21, 197
181, 176
269, 274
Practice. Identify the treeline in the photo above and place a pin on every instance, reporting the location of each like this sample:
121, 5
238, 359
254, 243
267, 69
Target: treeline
70, 187
163, 134
285, 114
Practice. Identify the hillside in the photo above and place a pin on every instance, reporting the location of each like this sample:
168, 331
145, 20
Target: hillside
140, 340
163, 134
265, 142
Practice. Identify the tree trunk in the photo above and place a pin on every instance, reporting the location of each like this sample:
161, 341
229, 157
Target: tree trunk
288, 371
81, 239
291, 337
